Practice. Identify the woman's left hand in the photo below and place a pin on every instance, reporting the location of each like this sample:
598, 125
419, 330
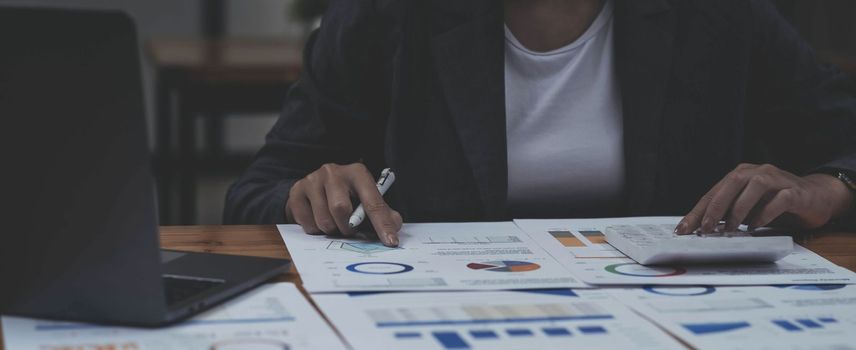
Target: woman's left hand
758, 195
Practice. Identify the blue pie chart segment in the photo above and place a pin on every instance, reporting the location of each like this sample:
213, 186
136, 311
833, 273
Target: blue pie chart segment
379, 268
687, 291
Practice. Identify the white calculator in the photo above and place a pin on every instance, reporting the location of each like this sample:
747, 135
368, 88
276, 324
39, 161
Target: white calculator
655, 244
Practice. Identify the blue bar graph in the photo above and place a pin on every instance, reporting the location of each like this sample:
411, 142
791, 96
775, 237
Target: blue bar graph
408, 335
592, 329
519, 332
451, 340
809, 323
710, 328
787, 325
483, 334
492, 321
556, 331
828, 320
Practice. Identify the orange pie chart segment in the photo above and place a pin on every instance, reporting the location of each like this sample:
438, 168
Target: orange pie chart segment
504, 266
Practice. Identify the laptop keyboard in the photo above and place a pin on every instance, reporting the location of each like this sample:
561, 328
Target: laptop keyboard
180, 288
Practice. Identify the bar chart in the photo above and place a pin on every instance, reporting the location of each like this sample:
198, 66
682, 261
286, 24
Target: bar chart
488, 320
487, 337
771, 317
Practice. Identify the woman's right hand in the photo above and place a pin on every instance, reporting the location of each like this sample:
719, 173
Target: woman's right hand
321, 202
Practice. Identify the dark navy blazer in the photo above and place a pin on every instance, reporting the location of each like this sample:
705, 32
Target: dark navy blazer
418, 86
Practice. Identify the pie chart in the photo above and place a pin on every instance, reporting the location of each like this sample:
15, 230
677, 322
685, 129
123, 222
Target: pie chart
636, 270
504, 266
680, 291
379, 268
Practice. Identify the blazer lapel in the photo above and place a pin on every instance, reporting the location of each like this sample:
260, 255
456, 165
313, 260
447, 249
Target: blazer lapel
644, 43
469, 59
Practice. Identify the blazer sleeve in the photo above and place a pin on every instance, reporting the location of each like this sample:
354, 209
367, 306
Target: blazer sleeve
334, 114
808, 110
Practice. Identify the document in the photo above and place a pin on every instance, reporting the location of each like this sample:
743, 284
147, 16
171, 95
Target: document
436, 256
579, 245
494, 320
272, 316
763, 317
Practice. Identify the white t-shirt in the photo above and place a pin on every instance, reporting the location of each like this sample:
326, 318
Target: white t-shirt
564, 125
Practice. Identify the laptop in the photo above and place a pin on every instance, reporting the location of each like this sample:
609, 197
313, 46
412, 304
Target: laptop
79, 229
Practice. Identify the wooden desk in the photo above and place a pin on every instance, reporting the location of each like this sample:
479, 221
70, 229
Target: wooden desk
263, 241
838, 247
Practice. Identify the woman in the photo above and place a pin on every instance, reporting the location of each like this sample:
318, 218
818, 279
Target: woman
491, 110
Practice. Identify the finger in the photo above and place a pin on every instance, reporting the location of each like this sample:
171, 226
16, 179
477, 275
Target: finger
398, 219
376, 208
722, 200
692, 220
781, 203
339, 201
289, 214
302, 212
758, 187
321, 211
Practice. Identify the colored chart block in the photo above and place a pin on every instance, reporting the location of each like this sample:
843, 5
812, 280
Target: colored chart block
592, 329
787, 325
567, 238
519, 332
451, 340
708, 328
556, 331
484, 334
504, 266
595, 237
809, 323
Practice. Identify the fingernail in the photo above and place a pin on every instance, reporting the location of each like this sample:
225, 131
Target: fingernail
682, 228
705, 223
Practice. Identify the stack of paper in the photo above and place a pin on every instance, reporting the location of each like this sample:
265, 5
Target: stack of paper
547, 319
780, 317
466, 256
503, 285
562, 239
532, 254
273, 316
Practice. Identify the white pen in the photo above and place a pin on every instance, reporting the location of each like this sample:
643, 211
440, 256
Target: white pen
384, 182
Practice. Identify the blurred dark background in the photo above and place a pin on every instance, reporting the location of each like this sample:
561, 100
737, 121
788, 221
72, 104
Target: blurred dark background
216, 72
828, 25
